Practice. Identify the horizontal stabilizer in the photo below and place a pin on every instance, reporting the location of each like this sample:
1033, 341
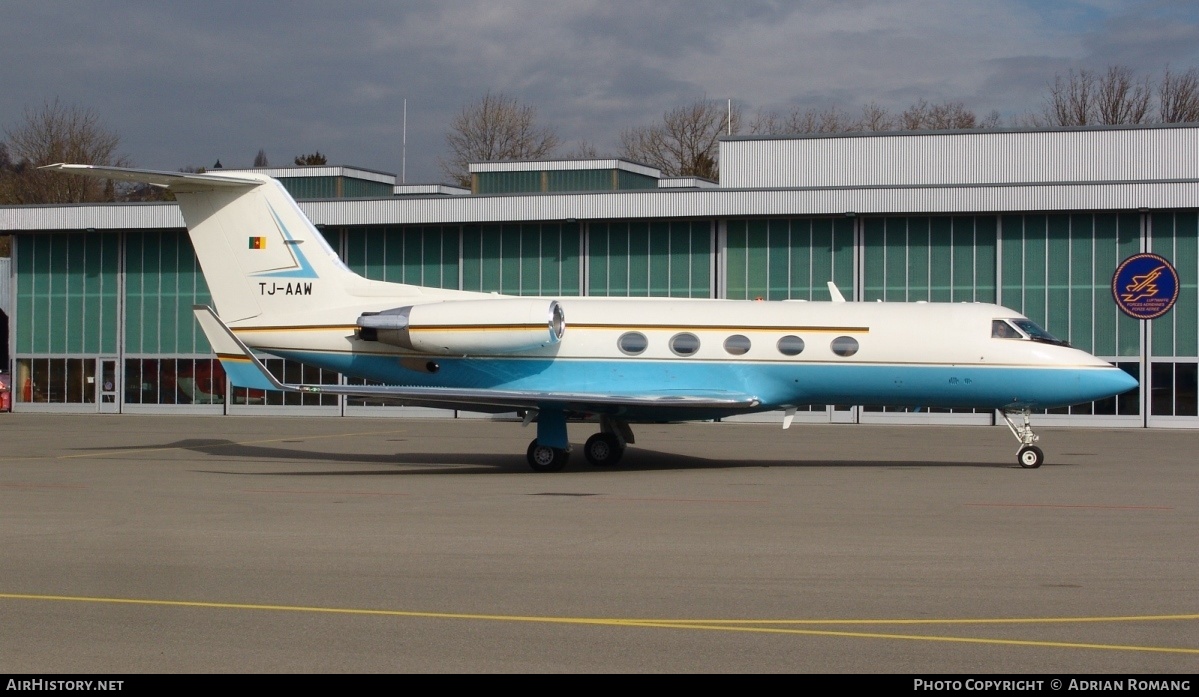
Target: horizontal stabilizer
176, 181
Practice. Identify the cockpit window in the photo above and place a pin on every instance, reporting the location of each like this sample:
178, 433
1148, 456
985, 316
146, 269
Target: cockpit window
1006, 329
1035, 333
1002, 330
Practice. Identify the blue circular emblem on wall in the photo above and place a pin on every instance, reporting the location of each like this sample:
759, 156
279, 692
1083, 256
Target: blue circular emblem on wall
1145, 286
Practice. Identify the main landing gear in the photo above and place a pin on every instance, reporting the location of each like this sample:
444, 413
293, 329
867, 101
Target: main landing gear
1029, 456
550, 451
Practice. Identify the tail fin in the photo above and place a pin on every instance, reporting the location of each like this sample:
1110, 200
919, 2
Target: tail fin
257, 248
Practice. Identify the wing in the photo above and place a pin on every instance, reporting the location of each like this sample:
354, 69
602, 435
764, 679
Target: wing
245, 370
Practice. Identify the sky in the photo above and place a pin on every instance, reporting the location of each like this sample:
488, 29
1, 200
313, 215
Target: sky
185, 84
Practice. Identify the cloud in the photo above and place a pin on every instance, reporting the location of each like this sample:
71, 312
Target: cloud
188, 83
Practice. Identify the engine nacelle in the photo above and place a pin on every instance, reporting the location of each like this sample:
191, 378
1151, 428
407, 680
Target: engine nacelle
467, 327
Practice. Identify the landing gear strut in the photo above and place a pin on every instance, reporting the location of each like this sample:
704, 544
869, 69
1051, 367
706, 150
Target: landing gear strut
1029, 456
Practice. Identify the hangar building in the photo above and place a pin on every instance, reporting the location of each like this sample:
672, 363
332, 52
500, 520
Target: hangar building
100, 295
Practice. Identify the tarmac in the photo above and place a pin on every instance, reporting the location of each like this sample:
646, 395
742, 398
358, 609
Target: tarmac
192, 544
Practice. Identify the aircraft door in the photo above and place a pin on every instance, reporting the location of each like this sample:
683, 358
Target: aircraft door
108, 396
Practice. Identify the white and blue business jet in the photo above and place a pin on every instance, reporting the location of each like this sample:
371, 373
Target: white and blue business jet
278, 288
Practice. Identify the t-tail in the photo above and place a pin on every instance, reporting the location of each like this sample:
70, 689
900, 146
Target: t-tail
261, 256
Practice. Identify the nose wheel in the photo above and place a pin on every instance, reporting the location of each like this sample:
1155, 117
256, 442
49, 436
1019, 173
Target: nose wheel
1029, 455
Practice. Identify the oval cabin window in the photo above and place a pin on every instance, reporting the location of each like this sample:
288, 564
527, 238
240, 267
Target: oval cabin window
632, 343
790, 345
845, 346
684, 344
737, 345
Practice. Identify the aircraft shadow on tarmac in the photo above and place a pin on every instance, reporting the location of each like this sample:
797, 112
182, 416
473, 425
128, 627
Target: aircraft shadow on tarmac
418, 463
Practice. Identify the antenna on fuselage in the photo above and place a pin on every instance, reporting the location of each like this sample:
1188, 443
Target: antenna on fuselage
836, 294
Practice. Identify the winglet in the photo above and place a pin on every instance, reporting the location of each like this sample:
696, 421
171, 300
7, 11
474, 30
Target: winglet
242, 367
833, 291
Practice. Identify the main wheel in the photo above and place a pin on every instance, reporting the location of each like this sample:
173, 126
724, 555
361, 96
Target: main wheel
1030, 457
543, 458
603, 450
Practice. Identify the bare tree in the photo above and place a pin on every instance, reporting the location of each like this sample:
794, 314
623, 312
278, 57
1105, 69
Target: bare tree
311, 159
496, 127
56, 132
1084, 98
1178, 97
801, 120
685, 143
1071, 100
1122, 97
946, 116
875, 118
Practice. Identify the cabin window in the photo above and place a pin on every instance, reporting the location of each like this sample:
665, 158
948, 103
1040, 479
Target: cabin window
632, 343
1002, 330
790, 345
684, 344
845, 346
737, 345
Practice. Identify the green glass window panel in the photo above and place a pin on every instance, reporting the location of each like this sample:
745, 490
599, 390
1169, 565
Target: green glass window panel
1175, 236
548, 263
811, 255
69, 280
579, 180
169, 306
1082, 282
411, 241
530, 259
569, 260
1107, 257
618, 259
701, 259
986, 237
842, 251
1012, 264
639, 256
472, 257
162, 283
1186, 262
659, 260
735, 260
492, 248
510, 259
1057, 275
917, 267
597, 257
1128, 228
940, 259
895, 238
757, 259
632, 180
778, 259
508, 182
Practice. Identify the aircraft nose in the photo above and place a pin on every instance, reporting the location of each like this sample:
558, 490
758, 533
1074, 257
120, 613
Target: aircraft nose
1116, 381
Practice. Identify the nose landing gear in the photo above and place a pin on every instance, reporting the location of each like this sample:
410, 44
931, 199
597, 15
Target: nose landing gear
1029, 455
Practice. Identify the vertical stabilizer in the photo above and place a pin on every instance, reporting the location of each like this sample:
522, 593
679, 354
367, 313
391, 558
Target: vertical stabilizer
260, 254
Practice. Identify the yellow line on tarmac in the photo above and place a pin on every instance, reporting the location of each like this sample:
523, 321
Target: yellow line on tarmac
713, 625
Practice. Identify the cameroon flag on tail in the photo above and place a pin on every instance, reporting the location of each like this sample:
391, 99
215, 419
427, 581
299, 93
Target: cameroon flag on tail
257, 243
